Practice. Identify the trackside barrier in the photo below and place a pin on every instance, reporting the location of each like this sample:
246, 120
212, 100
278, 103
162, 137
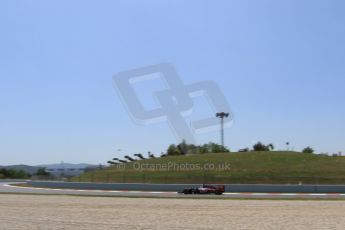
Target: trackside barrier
258, 188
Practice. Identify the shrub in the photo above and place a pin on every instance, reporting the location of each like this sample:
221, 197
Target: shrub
308, 150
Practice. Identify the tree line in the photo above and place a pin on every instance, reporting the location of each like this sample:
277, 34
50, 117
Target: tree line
20, 174
13, 174
189, 149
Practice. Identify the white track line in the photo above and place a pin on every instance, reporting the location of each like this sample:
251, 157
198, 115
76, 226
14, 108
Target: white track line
83, 190
286, 194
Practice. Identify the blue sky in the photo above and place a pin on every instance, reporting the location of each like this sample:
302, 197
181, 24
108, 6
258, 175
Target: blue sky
280, 65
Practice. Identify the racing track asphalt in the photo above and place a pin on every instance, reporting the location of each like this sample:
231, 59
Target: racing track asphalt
10, 187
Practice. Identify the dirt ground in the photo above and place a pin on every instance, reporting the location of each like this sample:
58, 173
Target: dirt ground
67, 212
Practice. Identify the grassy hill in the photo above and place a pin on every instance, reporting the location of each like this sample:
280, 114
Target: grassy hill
251, 167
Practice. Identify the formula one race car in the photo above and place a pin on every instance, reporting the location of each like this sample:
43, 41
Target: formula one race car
205, 189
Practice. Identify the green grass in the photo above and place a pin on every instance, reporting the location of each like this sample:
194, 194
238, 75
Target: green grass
251, 168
